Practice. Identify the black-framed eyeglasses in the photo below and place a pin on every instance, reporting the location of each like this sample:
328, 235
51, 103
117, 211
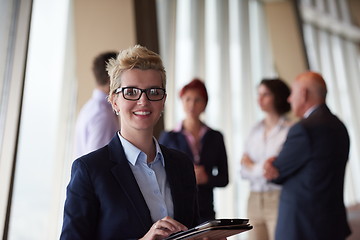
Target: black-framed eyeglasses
134, 93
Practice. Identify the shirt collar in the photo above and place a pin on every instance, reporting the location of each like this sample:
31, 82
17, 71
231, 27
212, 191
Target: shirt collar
279, 125
180, 128
281, 122
310, 111
159, 154
133, 154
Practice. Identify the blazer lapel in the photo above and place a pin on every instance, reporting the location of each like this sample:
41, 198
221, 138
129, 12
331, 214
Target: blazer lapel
127, 182
172, 172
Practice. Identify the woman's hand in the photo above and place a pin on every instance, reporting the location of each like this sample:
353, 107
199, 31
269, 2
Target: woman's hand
246, 161
163, 228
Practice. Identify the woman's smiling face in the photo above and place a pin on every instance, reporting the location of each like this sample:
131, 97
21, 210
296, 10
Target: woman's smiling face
142, 114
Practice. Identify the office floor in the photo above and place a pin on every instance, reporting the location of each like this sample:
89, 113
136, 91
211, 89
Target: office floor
354, 220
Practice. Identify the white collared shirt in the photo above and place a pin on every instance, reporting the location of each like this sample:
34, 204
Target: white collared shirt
151, 178
260, 148
310, 111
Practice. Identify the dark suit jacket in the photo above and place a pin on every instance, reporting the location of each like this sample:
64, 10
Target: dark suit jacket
312, 168
212, 156
104, 200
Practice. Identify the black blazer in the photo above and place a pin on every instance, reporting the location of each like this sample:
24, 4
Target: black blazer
312, 168
212, 156
104, 200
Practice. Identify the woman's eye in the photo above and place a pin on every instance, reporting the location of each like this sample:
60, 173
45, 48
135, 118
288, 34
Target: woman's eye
154, 92
130, 92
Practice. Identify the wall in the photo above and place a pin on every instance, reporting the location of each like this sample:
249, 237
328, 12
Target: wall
354, 6
286, 40
100, 26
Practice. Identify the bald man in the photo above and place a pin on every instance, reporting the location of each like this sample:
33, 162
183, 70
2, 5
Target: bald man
311, 167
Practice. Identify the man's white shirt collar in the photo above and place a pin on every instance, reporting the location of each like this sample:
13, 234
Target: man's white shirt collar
310, 111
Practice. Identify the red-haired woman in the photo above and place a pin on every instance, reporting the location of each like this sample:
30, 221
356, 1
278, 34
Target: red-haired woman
202, 144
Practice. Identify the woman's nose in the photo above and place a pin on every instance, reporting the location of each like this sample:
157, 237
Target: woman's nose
143, 99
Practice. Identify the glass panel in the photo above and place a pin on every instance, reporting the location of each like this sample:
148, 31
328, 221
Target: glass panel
333, 51
14, 19
43, 153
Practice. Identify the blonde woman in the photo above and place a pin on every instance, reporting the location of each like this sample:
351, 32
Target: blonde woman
132, 188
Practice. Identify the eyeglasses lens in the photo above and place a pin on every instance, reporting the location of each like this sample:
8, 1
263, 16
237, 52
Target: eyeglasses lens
153, 94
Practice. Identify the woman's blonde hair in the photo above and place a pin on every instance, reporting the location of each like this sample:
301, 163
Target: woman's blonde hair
138, 57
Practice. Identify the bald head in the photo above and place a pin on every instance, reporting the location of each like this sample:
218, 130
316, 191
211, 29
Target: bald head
315, 85
308, 90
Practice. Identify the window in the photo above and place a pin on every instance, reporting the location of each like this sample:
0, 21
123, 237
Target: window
332, 44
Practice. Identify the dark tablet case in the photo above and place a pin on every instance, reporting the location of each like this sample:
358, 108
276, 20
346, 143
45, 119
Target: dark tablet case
218, 228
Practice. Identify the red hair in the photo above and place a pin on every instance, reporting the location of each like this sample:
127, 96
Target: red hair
198, 85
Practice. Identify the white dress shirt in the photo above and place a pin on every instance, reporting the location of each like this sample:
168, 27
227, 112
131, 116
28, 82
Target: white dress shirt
260, 148
96, 124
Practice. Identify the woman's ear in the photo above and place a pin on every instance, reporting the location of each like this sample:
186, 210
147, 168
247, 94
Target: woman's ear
114, 105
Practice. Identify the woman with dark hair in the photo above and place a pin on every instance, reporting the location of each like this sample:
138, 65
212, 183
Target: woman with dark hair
202, 144
265, 141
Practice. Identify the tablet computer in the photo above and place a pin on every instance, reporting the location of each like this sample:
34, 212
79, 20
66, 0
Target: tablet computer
218, 228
